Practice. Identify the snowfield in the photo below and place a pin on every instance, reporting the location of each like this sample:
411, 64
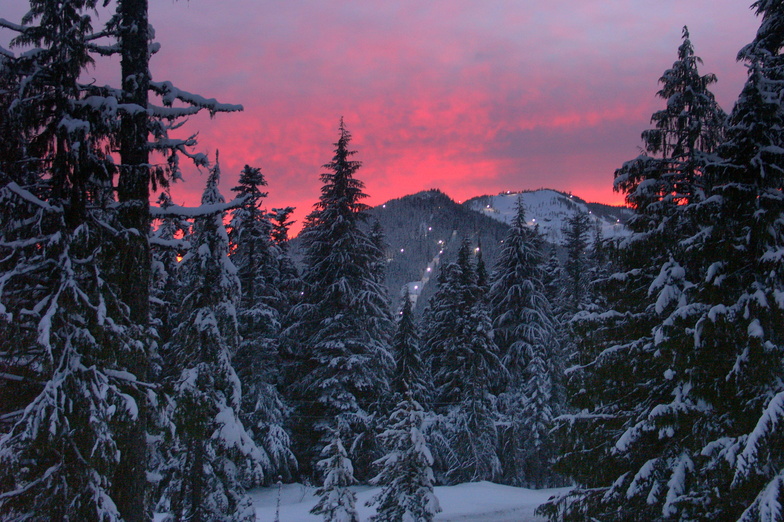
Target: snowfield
475, 501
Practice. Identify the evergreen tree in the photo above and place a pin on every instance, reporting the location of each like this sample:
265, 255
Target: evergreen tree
257, 361
66, 333
575, 270
212, 456
410, 372
466, 369
337, 503
524, 332
168, 241
406, 476
289, 283
680, 357
340, 330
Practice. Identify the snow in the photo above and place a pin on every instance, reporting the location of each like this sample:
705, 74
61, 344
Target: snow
549, 210
472, 501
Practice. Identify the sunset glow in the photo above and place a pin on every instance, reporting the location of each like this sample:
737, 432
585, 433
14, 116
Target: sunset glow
466, 96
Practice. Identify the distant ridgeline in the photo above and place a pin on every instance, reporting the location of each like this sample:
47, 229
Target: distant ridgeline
425, 229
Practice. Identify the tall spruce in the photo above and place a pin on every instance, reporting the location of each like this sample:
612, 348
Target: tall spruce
257, 361
63, 453
213, 458
524, 331
410, 372
466, 370
339, 332
659, 414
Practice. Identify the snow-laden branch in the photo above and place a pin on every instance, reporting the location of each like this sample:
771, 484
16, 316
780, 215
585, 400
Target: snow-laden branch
200, 211
31, 198
178, 244
169, 93
12, 26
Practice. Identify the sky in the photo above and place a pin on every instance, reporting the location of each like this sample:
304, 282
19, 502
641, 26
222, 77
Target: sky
471, 97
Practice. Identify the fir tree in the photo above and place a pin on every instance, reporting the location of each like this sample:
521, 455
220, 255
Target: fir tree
340, 330
257, 361
466, 369
212, 456
575, 270
406, 476
682, 340
61, 457
337, 503
524, 332
410, 372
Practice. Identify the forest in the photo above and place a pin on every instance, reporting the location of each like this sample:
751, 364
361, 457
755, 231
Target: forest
156, 358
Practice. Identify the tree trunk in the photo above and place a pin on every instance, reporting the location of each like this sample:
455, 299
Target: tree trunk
133, 259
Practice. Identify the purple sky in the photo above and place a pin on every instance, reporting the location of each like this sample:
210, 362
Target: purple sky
470, 96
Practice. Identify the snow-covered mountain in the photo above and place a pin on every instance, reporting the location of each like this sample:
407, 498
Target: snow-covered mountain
424, 230
550, 209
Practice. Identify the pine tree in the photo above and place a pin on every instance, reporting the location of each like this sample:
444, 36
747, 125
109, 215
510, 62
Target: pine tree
340, 330
168, 243
410, 373
742, 315
257, 361
212, 455
289, 283
466, 369
575, 270
60, 457
677, 350
524, 332
337, 503
406, 476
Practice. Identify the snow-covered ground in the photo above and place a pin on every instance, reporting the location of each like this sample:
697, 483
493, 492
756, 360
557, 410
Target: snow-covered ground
475, 501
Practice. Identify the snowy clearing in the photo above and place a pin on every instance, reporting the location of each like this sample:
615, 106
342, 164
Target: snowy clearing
474, 501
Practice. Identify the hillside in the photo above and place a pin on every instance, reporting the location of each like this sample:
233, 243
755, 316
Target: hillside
550, 209
425, 229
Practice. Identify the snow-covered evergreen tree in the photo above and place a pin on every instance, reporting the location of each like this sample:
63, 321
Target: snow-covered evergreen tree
168, 243
289, 282
406, 476
466, 369
410, 371
66, 330
337, 503
256, 361
695, 344
575, 269
339, 333
212, 456
524, 332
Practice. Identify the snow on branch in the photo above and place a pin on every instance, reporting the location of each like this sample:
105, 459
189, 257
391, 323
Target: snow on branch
200, 211
12, 26
169, 93
31, 198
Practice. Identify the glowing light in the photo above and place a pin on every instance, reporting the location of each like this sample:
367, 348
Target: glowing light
428, 269
402, 249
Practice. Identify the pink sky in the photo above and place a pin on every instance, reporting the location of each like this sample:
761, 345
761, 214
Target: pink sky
469, 96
